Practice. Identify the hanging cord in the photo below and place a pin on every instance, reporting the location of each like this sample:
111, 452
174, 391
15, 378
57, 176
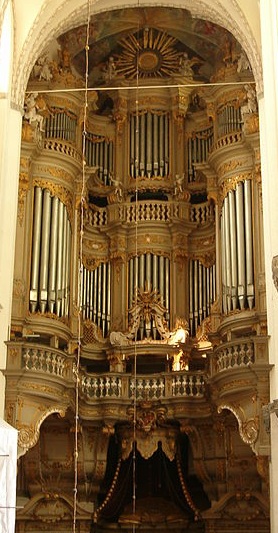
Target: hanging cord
137, 267
82, 206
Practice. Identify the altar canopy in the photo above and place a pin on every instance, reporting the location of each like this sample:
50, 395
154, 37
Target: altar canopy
8, 457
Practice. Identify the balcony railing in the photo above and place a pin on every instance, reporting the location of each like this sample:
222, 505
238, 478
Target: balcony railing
47, 361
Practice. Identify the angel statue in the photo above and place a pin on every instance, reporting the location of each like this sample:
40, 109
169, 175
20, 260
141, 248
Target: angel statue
178, 183
186, 64
118, 186
31, 110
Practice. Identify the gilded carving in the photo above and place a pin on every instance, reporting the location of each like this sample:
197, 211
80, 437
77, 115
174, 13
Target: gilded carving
230, 184
56, 172
91, 263
18, 288
248, 429
230, 166
24, 184
57, 190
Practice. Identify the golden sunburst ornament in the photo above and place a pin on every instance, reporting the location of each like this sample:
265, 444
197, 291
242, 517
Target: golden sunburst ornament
152, 54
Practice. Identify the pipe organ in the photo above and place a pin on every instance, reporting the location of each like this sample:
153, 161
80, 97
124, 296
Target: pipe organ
229, 120
197, 150
96, 296
51, 255
237, 249
155, 174
149, 144
139, 255
61, 124
99, 153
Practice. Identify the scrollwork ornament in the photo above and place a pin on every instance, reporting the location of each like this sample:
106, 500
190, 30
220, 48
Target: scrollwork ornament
26, 437
248, 429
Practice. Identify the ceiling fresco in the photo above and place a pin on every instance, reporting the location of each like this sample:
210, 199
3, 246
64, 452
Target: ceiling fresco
150, 42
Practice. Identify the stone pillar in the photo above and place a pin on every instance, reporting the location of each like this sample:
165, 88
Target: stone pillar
268, 110
10, 140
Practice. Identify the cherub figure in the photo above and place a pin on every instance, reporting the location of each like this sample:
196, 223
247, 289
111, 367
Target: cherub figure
178, 183
44, 69
118, 186
243, 63
251, 104
186, 64
31, 110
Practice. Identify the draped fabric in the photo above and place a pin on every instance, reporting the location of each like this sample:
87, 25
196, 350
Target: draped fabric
8, 457
156, 478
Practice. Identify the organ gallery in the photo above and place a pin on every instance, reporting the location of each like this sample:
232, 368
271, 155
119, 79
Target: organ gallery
139, 290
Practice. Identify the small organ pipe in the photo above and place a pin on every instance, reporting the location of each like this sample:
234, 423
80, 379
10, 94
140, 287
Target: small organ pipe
132, 146
167, 287
108, 296
155, 144
161, 145
59, 261
228, 253
110, 157
148, 271
223, 258
149, 144
130, 299
161, 278
141, 271
191, 284
64, 261
195, 294
44, 259
53, 254
99, 296
208, 291
155, 284
104, 281
68, 259
36, 248
240, 244
142, 145
200, 280
232, 223
105, 164
135, 279
166, 137
95, 295
249, 243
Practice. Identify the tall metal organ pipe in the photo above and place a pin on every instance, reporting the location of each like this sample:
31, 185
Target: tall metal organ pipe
237, 249
202, 292
96, 296
50, 259
149, 144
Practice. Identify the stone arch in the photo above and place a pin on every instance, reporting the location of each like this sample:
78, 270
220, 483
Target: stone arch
61, 19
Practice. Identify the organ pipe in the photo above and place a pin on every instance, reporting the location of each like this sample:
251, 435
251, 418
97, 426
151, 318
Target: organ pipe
240, 244
232, 224
149, 144
248, 243
228, 254
201, 292
155, 145
142, 145
96, 296
53, 254
45, 249
36, 249
50, 255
